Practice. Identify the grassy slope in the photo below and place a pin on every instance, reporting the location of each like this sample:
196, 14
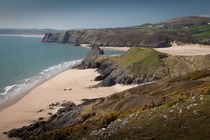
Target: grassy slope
197, 32
140, 61
175, 109
149, 111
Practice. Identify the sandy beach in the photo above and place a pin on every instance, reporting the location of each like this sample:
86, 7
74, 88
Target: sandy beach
71, 85
186, 49
107, 47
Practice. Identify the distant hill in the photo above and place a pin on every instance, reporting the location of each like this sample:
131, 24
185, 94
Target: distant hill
29, 31
186, 21
186, 30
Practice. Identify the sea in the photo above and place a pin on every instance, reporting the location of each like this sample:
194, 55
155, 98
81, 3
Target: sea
26, 62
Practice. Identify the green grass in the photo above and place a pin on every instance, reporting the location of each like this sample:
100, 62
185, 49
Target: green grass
140, 61
197, 32
202, 35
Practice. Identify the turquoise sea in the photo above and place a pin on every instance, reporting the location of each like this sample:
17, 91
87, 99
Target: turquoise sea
26, 62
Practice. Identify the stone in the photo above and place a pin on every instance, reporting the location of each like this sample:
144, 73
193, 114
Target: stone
180, 111
90, 60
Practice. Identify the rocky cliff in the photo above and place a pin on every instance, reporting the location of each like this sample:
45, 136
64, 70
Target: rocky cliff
125, 37
90, 60
138, 66
186, 30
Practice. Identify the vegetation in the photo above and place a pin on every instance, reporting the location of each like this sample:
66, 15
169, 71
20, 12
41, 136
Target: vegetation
175, 109
197, 33
140, 61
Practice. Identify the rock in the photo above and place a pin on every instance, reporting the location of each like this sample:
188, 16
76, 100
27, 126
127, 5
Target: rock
68, 104
122, 37
90, 60
54, 104
165, 116
188, 107
180, 111
171, 110
93, 133
119, 120
57, 104
40, 118
4, 132
195, 112
40, 110
49, 113
51, 108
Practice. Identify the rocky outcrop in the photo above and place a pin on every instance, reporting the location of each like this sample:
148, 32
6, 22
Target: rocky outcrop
125, 37
154, 36
142, 66
90, 60
110, 75
68, 115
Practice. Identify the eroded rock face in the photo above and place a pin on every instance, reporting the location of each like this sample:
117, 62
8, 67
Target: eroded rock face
126, 37
111, 75
68, 115
90, 60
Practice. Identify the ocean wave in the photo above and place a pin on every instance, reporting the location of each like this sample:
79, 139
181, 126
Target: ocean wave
25, 85
8, 88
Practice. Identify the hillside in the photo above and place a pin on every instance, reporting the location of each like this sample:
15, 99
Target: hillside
139, 65
186, 30
186, 21
175, 106
174, 109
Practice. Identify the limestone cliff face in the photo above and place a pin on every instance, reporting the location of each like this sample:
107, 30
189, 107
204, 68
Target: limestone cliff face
185, 29
125, 37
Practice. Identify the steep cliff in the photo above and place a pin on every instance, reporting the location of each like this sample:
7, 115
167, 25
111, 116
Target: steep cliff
125, 37
186, 30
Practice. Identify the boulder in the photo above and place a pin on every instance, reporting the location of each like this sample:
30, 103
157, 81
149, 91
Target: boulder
90, 60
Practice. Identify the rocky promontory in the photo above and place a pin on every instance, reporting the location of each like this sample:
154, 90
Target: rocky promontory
139, 66
185, 30
90, 60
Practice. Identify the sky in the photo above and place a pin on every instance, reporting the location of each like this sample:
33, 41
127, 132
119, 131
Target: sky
79, 14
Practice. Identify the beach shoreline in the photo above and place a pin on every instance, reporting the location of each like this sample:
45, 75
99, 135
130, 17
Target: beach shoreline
186, 49
66, 86
13, 98
113, 48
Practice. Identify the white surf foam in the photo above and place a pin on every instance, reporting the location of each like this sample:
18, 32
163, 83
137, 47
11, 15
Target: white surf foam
25, 85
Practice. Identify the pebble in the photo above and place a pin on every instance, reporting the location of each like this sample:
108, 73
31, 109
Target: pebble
164, 116
180, 111
171, 110
119, 120
195, 112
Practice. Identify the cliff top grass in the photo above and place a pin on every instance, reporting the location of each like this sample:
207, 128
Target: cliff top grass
140, 60
197, 32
